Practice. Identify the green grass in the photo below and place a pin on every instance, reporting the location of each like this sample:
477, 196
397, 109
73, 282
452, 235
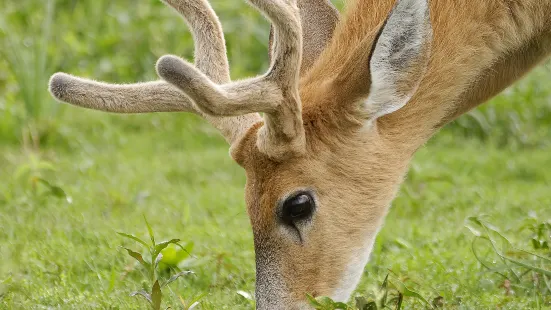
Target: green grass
63, 252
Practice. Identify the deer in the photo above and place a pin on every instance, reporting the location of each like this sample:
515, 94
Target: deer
325, 136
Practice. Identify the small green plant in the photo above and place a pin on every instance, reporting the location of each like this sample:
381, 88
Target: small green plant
33, 175
151, 265
173, 255
540, 232
390, 295
192, 303
523, 272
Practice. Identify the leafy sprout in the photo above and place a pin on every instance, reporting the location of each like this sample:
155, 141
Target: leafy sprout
151, 263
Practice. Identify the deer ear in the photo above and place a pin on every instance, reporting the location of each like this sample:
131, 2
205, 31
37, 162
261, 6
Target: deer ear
399, 57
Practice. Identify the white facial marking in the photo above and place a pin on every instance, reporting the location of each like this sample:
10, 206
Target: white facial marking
353, 273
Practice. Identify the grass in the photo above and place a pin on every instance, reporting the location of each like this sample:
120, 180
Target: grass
101, 173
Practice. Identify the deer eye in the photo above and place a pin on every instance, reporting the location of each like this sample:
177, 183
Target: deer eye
297, 208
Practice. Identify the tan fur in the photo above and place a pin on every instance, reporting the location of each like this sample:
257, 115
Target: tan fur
469, 38
326, 133
355, 171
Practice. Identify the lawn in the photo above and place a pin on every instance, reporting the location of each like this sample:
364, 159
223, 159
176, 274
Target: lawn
71, 178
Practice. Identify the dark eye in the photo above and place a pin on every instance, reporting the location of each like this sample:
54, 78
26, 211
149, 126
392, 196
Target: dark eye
298, 207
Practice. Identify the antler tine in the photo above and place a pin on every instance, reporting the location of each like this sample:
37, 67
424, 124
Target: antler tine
129, 98
283, 132
275, 93
210, 46
161, 96
319, 19
284, 15
211, 59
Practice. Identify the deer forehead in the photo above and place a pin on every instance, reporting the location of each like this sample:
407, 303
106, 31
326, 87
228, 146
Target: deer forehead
270, 182
338, 171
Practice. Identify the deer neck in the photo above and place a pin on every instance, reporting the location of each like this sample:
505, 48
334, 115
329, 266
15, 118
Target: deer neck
473, 59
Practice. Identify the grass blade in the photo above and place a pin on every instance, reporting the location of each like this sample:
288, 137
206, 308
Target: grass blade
176, 276
384, 288
399, 302
522, 264
547, 283
137, 256
150, 231
144, 294
133, 238
313, 301
406, 292
156, 296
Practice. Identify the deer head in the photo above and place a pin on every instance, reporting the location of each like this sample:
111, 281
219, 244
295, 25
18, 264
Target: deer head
321, 170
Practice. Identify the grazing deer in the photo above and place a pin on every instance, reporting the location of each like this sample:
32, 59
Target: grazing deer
345, 106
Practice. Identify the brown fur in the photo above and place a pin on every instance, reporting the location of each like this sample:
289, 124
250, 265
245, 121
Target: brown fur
479, 47
319, 134
470, 37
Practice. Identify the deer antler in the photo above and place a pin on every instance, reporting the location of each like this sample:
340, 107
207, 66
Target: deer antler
275, 93
210, 57
319, 19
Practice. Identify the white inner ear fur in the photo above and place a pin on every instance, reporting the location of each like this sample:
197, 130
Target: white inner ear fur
399, 58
